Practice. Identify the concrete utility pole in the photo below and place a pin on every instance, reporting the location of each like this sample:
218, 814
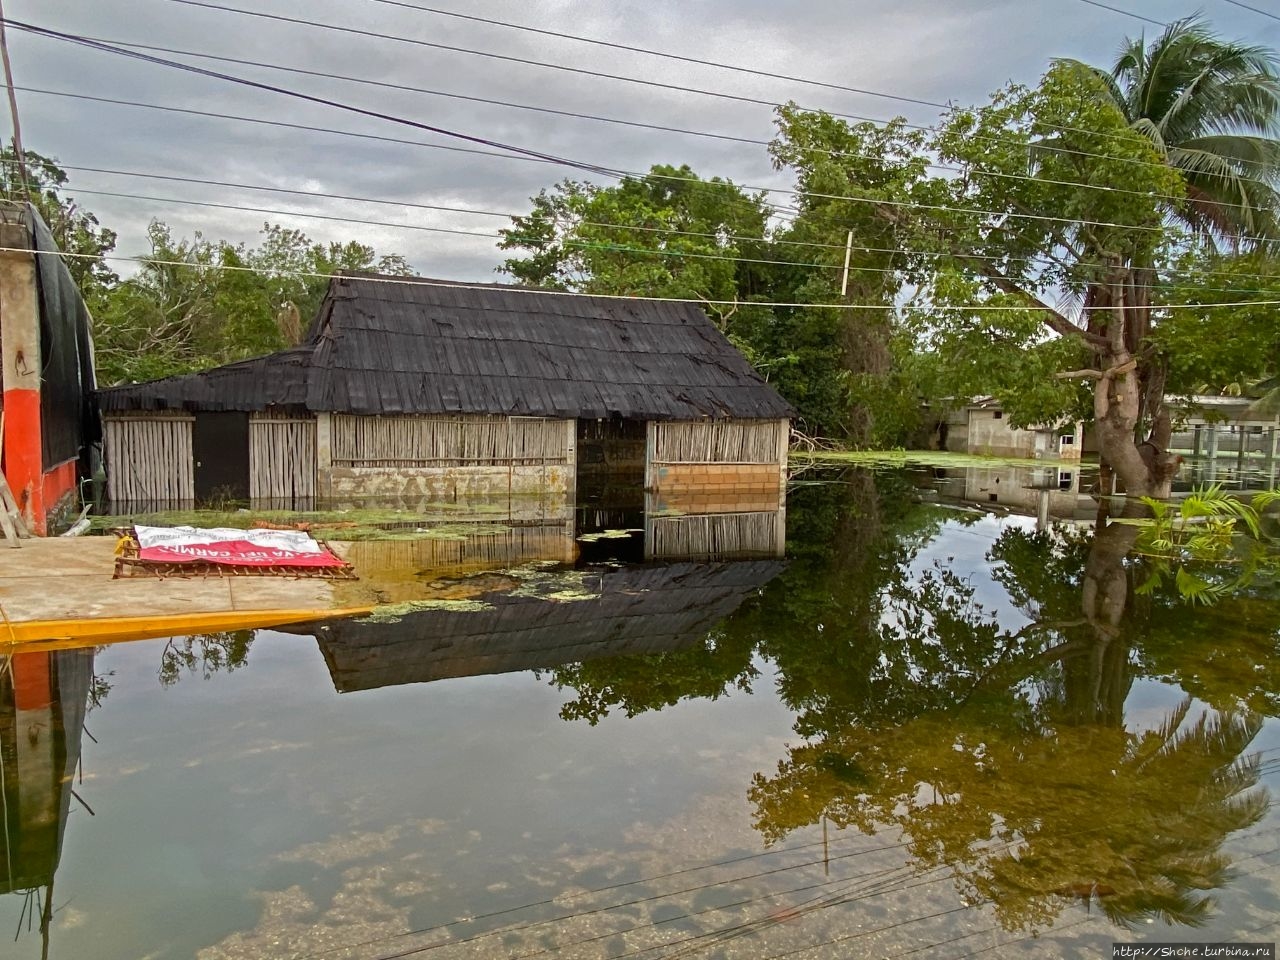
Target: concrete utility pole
13, 109
21, 364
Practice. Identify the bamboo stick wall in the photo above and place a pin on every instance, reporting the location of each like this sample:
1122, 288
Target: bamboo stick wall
282, 459
149, 459
717, 536
720, 441
447, 441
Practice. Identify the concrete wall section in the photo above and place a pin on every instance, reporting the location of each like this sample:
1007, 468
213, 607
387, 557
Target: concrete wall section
451, 484
20, 349
991, 434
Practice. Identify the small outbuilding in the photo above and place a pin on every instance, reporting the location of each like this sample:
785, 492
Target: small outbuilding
413, 389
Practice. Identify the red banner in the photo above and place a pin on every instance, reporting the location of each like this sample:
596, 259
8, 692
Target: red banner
239, 548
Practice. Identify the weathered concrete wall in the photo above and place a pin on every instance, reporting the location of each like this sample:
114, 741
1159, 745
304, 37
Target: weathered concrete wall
991, 434
453, 484
20, 348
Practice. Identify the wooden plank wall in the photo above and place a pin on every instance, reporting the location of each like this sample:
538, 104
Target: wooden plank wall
408, 442
282, 460
149, 460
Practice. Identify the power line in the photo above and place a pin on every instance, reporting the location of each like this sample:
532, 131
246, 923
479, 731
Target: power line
580, 71
664, 128
737, 68
454, 285
580, 165
469, 233
297, 94
1245, 6
565, 241
1125, 13
611, 887
556, 66
494, 213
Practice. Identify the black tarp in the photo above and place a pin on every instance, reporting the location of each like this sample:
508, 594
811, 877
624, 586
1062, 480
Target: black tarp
68, 422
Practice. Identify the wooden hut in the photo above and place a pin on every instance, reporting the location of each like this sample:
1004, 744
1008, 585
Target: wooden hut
422, 389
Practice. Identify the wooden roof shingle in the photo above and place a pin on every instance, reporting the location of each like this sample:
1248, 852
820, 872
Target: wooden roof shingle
389, 346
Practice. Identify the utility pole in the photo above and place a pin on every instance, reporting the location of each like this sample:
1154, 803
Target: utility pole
13, 110
849, 241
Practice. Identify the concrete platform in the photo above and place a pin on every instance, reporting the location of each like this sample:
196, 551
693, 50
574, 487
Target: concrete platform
59, 592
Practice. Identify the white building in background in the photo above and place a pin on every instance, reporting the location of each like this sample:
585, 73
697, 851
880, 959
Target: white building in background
982, 428
1216, 426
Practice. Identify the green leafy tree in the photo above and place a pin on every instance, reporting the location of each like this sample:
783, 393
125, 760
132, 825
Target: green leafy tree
1084, 192
196, 303
847, 375
75, 229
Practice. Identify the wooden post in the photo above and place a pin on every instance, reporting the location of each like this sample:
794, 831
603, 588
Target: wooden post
848, 252
1195, 445
324, 455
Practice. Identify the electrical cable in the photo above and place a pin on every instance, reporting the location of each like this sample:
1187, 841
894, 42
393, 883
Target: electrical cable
507, 58
1252, 9
453, 285
663, 54
576, 164
555, 66
635, 123
504, 235
1125, 13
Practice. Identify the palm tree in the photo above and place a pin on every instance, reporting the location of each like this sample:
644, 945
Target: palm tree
1211, 108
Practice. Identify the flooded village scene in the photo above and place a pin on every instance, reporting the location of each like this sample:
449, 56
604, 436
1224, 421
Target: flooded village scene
608, 481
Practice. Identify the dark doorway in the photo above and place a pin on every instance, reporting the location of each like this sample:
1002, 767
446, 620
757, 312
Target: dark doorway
220, 447
611, 462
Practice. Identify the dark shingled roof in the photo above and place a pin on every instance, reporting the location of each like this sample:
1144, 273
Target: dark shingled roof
380, 347
640, 610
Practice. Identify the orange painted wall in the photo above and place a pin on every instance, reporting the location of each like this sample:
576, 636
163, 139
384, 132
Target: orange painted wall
23, 456
58, 482
32, 689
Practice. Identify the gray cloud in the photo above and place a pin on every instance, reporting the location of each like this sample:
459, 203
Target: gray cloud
941, 51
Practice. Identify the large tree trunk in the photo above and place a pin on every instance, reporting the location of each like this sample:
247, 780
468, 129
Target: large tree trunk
1132, 423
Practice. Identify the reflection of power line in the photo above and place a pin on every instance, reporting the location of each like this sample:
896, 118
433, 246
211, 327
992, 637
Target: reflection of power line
619, 886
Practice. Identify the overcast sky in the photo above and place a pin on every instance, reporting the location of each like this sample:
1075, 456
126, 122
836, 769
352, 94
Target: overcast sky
937, 50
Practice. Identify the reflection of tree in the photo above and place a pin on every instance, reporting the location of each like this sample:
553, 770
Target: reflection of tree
996, 745
636, 684
841, 539
1015, 769
204, 654
1028, 817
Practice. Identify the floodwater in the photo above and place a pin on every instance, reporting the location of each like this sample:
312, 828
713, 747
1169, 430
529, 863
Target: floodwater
930, 731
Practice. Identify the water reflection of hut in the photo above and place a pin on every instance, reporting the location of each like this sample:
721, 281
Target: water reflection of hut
730, 524
636, 610
43, 697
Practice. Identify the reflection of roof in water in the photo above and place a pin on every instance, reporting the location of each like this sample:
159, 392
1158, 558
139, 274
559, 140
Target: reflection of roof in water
640, 610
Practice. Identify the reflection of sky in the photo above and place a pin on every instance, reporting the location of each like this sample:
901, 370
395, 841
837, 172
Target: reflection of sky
209, 791
963, 547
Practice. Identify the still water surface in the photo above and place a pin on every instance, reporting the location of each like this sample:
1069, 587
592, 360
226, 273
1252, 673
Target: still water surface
930, 732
